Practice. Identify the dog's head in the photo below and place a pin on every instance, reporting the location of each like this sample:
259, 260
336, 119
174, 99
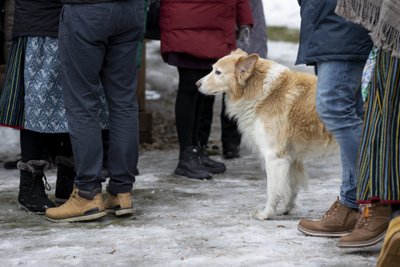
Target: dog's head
229, 74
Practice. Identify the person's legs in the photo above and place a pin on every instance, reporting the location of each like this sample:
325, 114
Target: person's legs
81, 62
205, 114
377, 145
230, 135
119, 79
339, 105
65, 166
386, 185
112, 32
186, 106
202, 128
185, 114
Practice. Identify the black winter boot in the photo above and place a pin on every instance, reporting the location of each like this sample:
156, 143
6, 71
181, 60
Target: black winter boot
230, 151
32, 196
190, 164
65, 178
211, 165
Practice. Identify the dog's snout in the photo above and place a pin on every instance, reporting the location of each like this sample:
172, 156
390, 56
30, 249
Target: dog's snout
198, 83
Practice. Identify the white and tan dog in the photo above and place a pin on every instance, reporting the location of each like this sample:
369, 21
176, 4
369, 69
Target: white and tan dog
276, 112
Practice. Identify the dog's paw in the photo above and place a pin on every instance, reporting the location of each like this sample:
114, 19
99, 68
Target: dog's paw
261, 215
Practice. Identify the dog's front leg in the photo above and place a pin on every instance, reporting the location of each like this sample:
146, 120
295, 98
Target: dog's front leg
278, 184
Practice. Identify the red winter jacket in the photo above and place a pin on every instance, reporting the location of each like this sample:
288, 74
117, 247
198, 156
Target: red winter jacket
202, 28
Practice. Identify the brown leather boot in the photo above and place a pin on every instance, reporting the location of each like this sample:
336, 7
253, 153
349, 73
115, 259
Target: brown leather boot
390, 252
120, 204
81, 206
373, 221
339, 220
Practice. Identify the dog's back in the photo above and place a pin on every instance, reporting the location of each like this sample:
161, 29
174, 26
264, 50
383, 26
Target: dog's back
283, 103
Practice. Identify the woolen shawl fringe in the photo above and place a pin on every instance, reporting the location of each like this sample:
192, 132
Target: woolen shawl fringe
380, 17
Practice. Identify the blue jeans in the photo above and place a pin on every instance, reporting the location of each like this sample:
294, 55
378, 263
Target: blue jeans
98, 45
340, 107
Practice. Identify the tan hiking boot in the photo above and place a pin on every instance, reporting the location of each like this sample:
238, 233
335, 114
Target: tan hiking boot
81, 206
339, 220
120, 205
373, 221
390, 252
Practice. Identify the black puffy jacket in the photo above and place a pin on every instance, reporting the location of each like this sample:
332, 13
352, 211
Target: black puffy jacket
36, 18
325, 36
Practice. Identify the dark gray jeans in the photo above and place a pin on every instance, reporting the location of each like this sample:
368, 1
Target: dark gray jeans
98, 45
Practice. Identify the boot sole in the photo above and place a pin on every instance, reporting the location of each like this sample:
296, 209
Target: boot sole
82, 218
184, 173
391, 256
215, 170
28, 210
363, 244
321, 234
120, 212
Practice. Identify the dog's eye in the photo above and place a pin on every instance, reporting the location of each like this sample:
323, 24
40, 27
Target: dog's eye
217, 72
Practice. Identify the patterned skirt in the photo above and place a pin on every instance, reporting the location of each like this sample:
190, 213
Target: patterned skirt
32, 97
44, 102
379, 158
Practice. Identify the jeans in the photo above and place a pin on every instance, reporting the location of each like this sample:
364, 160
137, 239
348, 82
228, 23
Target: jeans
98, 45
340, 107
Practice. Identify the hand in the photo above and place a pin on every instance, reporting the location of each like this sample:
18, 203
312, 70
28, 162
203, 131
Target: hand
244, 36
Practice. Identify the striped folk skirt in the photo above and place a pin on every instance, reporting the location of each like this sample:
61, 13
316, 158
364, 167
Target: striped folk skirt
12, 95
379, 158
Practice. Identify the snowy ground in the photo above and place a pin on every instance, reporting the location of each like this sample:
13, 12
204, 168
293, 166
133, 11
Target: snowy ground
182, 222
178, 221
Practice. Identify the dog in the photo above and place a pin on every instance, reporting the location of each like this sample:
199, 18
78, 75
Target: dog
275, 108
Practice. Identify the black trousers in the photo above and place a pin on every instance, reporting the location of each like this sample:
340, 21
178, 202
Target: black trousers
188, 106
42, 146
229, 131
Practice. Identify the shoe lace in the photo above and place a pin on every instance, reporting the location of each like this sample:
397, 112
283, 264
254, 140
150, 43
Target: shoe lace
39, 183
364, 216
71, 199
195, 155
333, 209
46, 184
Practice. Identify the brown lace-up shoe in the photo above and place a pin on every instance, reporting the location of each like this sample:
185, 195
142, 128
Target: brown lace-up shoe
337, 221
390, 252
120, 204
373, 221
81, 206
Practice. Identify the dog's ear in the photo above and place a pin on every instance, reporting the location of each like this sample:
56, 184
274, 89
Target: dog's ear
239, 51
244, 68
